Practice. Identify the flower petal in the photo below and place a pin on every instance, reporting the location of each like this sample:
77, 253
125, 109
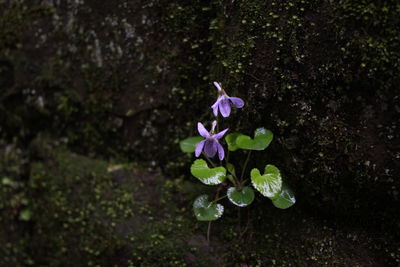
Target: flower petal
224, 107
215, 106
221, 152
238, 102
220, 134
202, 131
214, 124
210, 148
218, 85
199, 148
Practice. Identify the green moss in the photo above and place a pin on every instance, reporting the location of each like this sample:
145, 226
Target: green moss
106, 208
86, 211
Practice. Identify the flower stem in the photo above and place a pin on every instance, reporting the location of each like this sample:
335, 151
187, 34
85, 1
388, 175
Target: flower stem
245, 165
208, 159
236, 179
218, 199
232, 179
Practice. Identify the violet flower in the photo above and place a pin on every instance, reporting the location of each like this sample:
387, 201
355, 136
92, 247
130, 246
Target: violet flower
210, 144
223, 104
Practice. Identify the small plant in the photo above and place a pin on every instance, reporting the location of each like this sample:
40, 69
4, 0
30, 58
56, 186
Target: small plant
239, 191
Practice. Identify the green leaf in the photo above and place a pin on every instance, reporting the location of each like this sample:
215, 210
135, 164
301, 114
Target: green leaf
262, 139
285, 198
231, 141
241, 198
208, 176
189, 144
270, 183
205, 210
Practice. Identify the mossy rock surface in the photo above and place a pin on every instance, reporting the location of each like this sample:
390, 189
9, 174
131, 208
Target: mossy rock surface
128, 80
85, 211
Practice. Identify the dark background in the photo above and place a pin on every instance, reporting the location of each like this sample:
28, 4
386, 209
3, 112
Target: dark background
95, 96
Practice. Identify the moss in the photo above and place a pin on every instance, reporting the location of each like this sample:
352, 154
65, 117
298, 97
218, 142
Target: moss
89, 212
85, 211
104, 208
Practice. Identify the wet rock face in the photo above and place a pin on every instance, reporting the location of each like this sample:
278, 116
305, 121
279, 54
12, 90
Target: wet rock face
129, 78
332, 103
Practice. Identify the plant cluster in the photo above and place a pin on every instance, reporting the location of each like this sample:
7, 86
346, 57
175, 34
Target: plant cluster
270, 184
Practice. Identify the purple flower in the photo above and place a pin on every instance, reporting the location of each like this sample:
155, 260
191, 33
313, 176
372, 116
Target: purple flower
210, 144
223, 104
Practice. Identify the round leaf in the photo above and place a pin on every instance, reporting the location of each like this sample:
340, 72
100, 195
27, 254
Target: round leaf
285, 198
205, 210
262, 139
208, 176
189, 144
231, 141
241, 198
270, 183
